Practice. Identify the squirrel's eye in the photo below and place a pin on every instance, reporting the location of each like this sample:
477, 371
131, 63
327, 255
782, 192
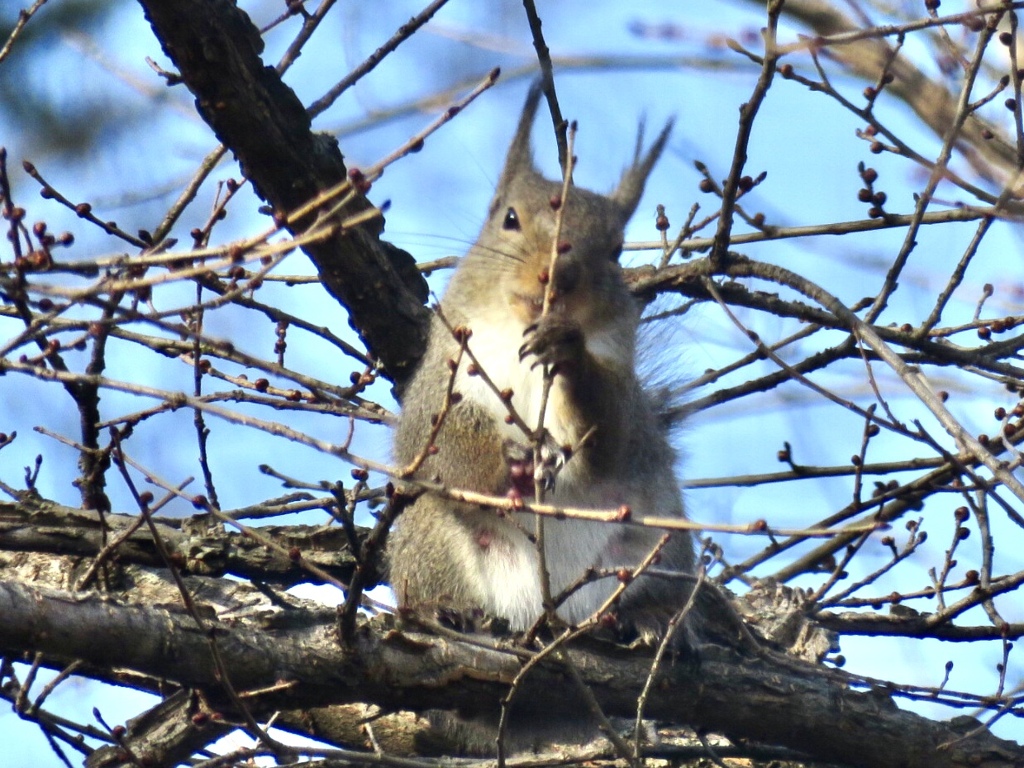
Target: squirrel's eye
511, 220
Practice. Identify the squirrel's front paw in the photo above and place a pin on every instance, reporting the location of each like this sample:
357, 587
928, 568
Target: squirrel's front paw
554, 341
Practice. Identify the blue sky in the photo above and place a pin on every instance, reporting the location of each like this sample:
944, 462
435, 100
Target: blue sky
438, 197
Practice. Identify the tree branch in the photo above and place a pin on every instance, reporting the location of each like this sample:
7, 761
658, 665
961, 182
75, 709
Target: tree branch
203, 547
217, 52
771, 699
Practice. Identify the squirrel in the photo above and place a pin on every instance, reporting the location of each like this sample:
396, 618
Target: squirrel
447, 555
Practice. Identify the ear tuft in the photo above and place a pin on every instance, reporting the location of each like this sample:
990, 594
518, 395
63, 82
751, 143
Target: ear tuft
631, 186
519, 159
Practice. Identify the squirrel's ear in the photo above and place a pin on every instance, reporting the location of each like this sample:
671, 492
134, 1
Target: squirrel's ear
631, 187
520, 154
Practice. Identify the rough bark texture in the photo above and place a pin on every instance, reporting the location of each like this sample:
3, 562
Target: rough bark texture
199, 545
163, 735
217, 50
768, 698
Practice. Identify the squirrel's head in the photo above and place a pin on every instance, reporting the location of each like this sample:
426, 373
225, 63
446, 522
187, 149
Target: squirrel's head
518, 237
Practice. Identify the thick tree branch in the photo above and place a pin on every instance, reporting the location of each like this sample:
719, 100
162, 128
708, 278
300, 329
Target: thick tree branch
771, 699
200, 544
217, 52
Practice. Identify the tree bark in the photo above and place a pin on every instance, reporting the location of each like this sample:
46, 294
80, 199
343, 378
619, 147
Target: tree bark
217, 51
199, 545
768, 698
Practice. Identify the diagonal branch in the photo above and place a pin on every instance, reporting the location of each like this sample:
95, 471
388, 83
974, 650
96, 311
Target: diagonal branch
260, 119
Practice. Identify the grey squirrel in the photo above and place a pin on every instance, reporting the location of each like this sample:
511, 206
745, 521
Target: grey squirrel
449, 555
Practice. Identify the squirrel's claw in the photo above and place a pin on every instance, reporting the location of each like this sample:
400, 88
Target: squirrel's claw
554, 341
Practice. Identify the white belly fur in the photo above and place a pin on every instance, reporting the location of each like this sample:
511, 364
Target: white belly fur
506, 569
